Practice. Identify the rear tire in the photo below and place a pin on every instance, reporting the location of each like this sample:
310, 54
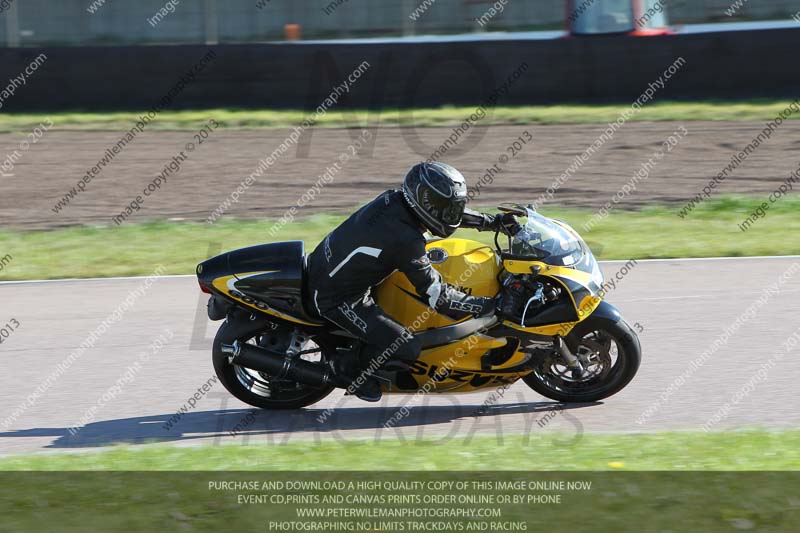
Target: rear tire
592, 336
252, 387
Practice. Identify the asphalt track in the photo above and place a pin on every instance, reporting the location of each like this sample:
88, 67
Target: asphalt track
682, 305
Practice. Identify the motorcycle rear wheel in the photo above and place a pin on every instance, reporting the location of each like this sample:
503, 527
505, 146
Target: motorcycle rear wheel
610, 352
256, 388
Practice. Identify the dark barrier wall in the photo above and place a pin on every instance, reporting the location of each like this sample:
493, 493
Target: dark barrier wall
717, 65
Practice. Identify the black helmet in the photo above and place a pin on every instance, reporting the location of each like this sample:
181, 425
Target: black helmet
437, 193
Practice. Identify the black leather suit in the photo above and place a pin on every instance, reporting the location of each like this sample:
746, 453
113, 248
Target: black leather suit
378, 239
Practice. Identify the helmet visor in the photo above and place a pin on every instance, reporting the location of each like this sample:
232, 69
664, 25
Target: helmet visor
453, 213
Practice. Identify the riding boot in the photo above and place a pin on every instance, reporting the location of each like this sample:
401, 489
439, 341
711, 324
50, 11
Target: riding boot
355, 375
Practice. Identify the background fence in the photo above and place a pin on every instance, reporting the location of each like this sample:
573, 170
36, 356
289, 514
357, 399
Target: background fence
83, 22
717, 65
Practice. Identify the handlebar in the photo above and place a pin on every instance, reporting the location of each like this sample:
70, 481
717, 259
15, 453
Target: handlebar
514, 209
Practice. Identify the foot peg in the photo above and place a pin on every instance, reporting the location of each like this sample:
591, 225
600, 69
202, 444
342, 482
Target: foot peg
232, 350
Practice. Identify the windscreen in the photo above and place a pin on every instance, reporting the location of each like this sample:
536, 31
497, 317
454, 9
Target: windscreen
542, 239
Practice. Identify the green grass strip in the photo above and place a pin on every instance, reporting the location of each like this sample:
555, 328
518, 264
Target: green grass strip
728, 450
135, 249
751, 110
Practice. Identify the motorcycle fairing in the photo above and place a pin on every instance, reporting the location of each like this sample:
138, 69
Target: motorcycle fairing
268, 278
446, 335
580, 285
468, 265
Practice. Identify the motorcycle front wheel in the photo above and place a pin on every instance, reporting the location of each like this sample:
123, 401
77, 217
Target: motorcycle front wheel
610, 354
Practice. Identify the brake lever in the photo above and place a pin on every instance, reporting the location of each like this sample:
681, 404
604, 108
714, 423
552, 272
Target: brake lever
537, 297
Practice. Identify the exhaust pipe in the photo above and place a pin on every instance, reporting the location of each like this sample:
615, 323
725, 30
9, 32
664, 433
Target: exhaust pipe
277, 364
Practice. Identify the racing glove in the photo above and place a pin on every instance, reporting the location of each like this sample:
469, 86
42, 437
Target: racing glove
507, 224
503, 222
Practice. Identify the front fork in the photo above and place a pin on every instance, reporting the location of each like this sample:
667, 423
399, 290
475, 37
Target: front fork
560, 348
603, 310
573, 363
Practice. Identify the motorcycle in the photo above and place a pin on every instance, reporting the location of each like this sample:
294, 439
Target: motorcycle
557, 333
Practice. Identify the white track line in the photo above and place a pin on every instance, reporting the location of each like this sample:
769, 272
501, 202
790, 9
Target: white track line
704, 259
612, 261
120, 278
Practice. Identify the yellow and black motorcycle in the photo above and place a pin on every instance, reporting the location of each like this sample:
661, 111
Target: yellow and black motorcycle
562, 339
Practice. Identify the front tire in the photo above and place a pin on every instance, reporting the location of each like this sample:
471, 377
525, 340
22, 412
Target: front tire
611, 355
253, 387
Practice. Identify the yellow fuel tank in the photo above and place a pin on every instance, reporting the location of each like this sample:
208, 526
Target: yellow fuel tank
469, 265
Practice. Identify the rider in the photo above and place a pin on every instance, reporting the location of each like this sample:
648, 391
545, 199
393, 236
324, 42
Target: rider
387, 235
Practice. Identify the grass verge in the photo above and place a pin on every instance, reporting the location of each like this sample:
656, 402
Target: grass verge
756, 110
728, 450
268, 488
135, 249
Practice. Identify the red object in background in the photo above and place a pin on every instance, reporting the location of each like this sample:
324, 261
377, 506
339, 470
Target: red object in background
651, 32
292, 32
638, 18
